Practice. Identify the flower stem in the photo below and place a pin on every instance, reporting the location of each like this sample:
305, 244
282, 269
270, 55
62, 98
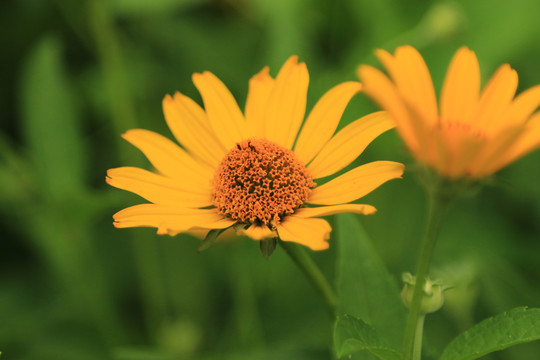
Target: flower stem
314, 274
438, 202
418, 335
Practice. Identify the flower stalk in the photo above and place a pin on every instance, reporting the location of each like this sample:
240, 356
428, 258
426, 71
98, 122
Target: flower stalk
418, 336
438, 201
313, 273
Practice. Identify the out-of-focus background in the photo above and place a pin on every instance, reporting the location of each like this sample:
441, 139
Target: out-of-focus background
76, 74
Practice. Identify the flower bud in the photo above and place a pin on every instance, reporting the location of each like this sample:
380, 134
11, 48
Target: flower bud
432, 299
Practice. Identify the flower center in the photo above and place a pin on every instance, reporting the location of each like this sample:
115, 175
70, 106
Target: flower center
459, 128
259, 182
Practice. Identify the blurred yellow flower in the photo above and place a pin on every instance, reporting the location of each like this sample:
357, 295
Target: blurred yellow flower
473, 133
242, 169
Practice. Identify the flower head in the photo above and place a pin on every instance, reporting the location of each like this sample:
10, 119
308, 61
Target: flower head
255, 170
471, 134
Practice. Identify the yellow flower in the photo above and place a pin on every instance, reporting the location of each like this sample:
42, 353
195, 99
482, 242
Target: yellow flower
474, 133
243, 170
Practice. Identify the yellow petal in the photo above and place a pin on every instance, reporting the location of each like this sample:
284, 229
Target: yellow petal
167, 157
411, 76
257, 232
224, 115
494, 151
313, 233
383, 92
323, 120
523, 106
189, 126
349, 143
335, 209
286, 105
260, 87
461, 89
495, 99
170, 220
527, 141
514, 140
355, 183
190, 192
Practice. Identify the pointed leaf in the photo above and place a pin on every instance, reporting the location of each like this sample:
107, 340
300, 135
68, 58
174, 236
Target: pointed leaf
51, 121
514, 327
352, 335
268, 246
365, 288
210, 238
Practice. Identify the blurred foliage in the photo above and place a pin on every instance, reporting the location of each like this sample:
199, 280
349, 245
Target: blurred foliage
76, 74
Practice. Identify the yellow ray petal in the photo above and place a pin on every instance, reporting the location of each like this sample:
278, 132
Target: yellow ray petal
528, 140
260, 87
189, 126
224, 115
286, 105
170, 220
383, 92
167, 157
494, 151
257, 232
323, 120
413, 80
190, 192
355, 183
349, 143
461, 89
495, 98
335, 209
313, 233
523, 106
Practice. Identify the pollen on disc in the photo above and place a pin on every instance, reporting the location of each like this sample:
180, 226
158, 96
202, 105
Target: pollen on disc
259, 182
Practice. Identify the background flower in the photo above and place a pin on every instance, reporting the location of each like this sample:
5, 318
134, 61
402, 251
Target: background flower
471, 134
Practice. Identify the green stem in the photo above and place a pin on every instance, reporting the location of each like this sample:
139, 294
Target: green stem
418, 335
438, 203
314, 274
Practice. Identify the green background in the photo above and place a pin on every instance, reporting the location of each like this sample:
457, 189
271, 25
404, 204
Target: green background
76, 74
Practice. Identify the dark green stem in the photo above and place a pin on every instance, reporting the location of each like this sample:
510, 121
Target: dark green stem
314, 274
438, 202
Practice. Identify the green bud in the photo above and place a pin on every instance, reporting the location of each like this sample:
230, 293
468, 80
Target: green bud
268, 246
433, 298
444, 19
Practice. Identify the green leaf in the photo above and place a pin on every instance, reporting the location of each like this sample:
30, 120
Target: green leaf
267, 247
210, 239
51, 121
352, 335
17, 180
514, 327
139, 8
365, 288
133, 353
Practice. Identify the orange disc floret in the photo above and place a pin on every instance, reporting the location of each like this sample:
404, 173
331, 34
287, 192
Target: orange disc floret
258, 182
455, 128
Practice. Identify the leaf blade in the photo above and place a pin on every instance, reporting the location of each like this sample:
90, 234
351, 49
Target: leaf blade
52, 120
352, 335
365, 288
510, 328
